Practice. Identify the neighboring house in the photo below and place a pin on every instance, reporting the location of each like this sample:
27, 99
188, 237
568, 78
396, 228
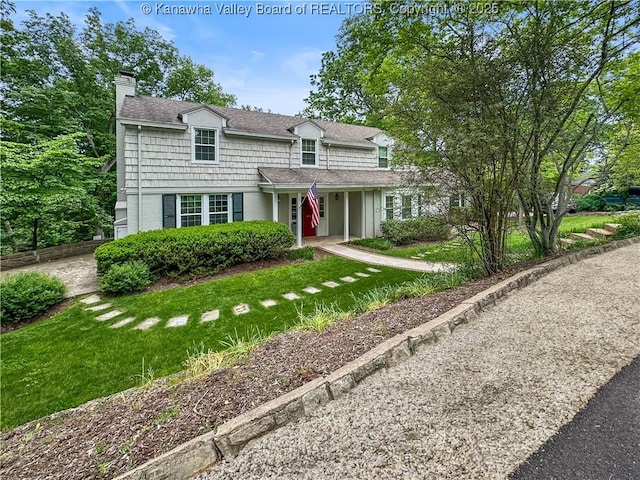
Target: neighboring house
181, 164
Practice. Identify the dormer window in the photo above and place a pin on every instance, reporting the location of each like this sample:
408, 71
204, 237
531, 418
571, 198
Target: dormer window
309, 151
383, 157
204, 145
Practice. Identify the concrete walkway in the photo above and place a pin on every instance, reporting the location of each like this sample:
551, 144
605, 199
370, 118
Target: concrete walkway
476, 404
77, 273
386, 261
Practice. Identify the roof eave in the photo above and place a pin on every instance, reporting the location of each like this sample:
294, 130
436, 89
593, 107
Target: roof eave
145, 123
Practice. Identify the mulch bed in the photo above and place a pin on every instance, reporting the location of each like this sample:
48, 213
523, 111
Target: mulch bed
107, 437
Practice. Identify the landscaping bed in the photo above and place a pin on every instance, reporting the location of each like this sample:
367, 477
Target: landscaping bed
108, 437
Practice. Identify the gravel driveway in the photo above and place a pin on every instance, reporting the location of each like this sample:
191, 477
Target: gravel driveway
477, 403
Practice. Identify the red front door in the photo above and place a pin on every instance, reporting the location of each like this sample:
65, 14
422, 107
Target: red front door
307, 229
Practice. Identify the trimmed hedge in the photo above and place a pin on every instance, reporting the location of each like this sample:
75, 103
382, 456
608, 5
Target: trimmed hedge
421, 229
127, 278
198, 250
27, 295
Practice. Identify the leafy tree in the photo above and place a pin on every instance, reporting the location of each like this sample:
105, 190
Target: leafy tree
194, 83
510, 102
48, 186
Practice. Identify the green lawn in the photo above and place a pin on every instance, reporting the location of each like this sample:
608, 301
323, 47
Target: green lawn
520, 248
71, 358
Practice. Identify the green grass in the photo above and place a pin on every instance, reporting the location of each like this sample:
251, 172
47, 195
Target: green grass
581, 223
518, 243
71, 358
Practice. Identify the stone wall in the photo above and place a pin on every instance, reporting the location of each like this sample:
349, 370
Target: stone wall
32, 257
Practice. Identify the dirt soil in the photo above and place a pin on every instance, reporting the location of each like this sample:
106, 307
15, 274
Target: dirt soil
107, 437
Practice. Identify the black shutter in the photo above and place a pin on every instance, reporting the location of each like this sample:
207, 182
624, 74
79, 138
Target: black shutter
237, 207
168, 210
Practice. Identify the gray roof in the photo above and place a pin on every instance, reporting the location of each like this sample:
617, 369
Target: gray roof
304, 177
165, 111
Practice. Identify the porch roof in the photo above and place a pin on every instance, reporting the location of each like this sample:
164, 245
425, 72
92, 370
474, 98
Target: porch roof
302, 178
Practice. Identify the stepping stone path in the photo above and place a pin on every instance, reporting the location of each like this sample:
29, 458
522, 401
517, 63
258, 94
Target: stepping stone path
148, 323
210, 316
97, 308
91, 299
123, 322
241, 309
108, 315
179, 321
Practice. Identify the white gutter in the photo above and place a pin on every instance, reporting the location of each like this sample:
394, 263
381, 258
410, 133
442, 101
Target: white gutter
139, 178
138, 123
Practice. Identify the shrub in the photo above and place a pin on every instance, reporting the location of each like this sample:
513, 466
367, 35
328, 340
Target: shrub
198, 250
591, 203
629, 225
304, 253
127, 278
421, 229
27, 295
377, 243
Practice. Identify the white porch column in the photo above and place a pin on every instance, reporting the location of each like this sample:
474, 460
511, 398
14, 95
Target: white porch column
274, 206
346, 216
299, 220
363, 216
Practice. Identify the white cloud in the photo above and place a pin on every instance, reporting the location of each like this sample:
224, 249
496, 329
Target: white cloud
303, 63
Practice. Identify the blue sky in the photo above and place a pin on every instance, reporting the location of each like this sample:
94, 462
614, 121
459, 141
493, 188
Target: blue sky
265, 59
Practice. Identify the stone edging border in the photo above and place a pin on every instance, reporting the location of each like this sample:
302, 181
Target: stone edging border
194, 456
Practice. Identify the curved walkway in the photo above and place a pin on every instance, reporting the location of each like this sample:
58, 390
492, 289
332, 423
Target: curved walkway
386, 261
480, 401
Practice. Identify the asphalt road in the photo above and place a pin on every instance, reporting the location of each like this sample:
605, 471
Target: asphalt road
602, 442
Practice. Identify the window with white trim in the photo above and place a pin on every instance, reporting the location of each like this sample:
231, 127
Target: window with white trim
204, 145
203, 209
321, 206
190, 210
383, 157
309, 151
218, 209
406, 206
388, 207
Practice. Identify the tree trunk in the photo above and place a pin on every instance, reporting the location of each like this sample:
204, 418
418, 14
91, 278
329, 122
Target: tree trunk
34, 234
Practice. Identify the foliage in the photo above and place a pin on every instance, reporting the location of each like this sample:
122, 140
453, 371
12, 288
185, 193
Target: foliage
48, 192
320, 318
198, 250
27, 295
304, 253
126, 278
420, 229
629, 225
591, 203
378, 243
506, 104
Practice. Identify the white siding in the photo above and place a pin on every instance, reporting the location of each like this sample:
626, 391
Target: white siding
151, 213
257, 206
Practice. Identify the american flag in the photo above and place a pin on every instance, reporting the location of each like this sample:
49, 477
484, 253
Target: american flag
312, 198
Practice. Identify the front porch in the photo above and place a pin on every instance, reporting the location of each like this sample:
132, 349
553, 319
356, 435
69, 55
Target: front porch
350, 202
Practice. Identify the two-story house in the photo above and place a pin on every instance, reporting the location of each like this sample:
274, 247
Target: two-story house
181, 164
